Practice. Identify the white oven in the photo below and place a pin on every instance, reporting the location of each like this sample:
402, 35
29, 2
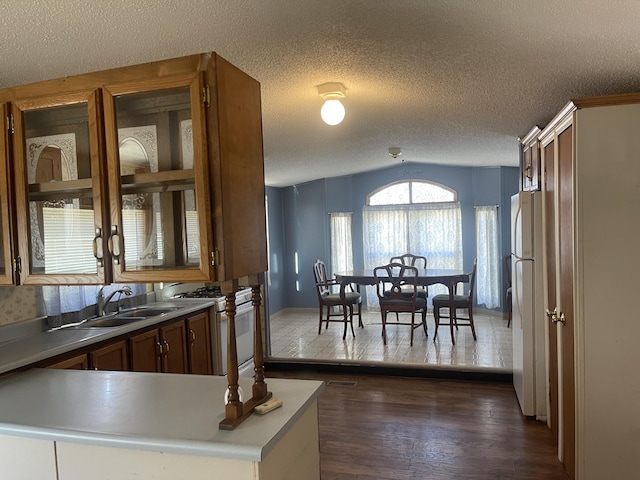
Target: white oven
245, 324
244, 321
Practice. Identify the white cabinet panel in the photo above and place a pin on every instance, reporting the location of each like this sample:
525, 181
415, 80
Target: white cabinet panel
27, 458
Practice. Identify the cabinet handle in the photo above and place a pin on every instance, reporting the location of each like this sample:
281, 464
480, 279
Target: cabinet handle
159, 349
114, 244
551, 314
561, 319
166, 345
193, 336
97, 247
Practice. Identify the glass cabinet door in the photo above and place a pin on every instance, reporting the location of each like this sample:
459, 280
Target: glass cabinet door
6, 254
58, 192
156, 150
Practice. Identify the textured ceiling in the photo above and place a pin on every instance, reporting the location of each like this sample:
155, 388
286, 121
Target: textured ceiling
451, 82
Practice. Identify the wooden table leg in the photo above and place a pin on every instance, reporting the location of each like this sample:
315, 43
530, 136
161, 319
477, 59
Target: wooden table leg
452, 310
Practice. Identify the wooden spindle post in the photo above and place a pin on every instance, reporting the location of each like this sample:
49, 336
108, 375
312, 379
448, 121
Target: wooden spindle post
236, 411
259, 385
234, 407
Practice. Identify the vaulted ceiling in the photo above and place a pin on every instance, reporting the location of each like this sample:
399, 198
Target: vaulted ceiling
451, 82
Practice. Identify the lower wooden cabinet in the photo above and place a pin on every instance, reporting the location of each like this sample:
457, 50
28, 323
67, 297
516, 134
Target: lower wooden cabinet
180, 347
174, 348
79, 362
112, 357
163, 350
199, 344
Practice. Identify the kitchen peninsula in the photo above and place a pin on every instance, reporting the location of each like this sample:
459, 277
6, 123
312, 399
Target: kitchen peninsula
73, 425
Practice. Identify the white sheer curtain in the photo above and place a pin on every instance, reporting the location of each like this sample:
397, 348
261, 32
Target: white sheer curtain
341, 242
487, 253
72, 298
432, 230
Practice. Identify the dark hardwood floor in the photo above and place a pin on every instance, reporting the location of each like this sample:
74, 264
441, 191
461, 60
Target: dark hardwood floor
418, 428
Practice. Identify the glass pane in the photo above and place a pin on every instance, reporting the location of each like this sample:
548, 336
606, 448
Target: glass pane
393, 195
159, 215
423, 192
61, 215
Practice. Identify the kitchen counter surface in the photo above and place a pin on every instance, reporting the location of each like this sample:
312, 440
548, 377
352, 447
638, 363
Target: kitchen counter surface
146, 411
34, 347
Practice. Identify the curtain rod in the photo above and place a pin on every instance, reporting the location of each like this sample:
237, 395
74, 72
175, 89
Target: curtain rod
478, 206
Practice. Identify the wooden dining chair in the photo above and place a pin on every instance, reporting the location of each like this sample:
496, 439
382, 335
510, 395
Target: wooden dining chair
461, 302
327, 299
417, 261
397, 290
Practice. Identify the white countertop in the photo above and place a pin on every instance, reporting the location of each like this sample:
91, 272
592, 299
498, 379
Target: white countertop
33, 348
146, 411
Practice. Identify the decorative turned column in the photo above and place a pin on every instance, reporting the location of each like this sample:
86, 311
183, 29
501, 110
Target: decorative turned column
237, 411
234, 407
259, 386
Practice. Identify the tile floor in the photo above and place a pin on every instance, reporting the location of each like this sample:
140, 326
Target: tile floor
294, 335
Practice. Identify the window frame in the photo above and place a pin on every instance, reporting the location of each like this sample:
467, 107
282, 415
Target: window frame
410, 182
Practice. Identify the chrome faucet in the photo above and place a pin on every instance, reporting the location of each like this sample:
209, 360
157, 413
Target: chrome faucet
102, 302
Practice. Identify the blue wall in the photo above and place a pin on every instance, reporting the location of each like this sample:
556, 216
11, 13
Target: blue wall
301, 228
275, 290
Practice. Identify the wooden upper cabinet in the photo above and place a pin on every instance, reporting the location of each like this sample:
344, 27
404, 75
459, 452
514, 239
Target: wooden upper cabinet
7, 233
146, 173
236, 171
157, 172
530, 168
58, 191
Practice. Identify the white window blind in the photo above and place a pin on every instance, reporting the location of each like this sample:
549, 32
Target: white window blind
68, 240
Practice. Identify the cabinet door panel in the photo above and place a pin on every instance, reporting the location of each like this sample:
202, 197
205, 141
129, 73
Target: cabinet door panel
199, 344
145, 351
159, 209
174, 358
79, 362
58, 192
112, 357
6, 232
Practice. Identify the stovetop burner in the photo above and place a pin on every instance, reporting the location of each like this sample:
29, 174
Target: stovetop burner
202, 292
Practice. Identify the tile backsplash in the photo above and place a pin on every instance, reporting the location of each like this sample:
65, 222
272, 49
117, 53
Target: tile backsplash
20, 303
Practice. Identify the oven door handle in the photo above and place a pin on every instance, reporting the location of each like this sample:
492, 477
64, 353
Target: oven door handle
240, 309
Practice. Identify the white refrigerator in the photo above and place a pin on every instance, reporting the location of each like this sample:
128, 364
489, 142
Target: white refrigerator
529, 319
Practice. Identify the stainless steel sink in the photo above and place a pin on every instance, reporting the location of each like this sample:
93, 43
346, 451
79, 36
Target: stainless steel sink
146, 312
110, 321
122, 318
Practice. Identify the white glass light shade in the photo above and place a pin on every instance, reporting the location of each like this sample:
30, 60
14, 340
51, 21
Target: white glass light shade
332, 112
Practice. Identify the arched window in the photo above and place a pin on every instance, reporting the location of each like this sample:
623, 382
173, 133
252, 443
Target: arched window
412, 216
412, 192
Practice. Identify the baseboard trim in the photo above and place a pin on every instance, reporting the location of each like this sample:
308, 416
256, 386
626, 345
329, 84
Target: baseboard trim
390, 370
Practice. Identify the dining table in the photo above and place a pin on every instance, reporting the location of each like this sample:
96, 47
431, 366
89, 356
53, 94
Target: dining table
429, 276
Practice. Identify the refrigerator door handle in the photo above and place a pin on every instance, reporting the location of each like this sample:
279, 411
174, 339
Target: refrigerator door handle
517, 220
516, 295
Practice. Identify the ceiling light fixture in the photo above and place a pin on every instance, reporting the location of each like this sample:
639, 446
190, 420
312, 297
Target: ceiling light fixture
332, 112
395, 152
